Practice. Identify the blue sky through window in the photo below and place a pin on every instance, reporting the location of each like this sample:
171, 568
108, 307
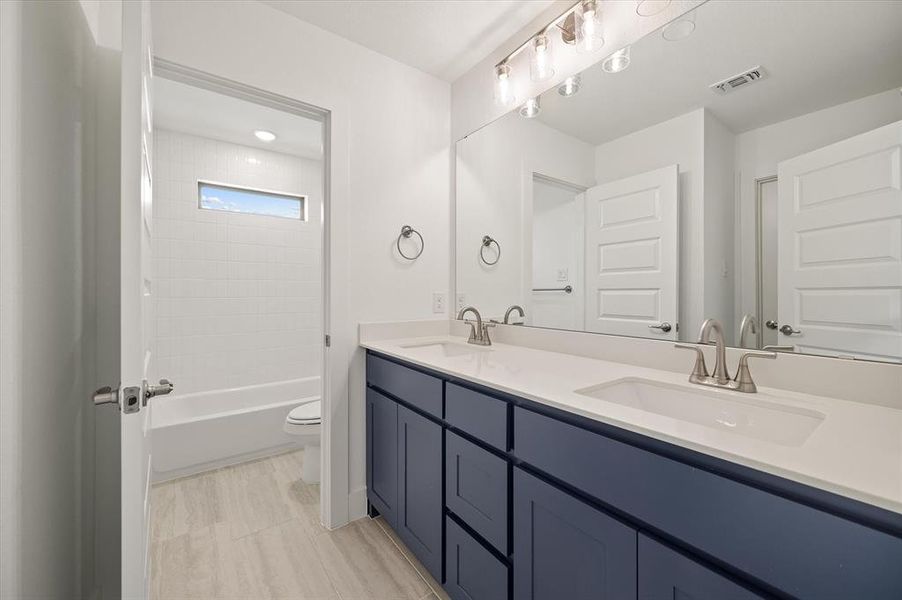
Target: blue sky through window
219, 197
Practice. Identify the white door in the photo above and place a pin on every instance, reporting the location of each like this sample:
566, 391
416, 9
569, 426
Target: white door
557, 256
769, 265
136, 219
840, 223
632, 255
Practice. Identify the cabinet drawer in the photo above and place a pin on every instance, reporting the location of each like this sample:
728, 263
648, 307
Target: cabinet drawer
476, 489
800, 550
479, 415
665, 574
471, 571
417, 389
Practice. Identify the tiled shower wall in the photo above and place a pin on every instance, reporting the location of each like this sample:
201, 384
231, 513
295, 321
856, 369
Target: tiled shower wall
237, 296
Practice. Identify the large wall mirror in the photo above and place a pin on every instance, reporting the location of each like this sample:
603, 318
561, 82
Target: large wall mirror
745, 166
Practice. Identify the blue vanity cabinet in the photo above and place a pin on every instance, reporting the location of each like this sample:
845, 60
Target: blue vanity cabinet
419, 518
471, 571
564, 548
665, 574
382, 454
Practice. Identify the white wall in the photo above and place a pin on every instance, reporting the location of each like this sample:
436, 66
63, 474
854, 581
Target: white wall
46, 288
238, 296
389, 166
495, 167
719, 193
758, 151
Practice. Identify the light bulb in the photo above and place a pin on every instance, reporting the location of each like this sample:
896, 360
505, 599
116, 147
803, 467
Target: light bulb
618, 61
540, 68
530, 108
589, 31
570, 86
504, 92
264, 136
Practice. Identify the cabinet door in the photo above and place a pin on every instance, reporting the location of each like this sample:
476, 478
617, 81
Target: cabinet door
665, 574
564, 548
420, 488
382, 454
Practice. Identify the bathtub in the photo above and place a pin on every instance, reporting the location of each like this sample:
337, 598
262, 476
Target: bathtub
197, 432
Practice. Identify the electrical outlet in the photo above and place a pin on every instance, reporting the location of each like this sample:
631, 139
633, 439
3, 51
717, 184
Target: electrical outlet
438, 302
461, 301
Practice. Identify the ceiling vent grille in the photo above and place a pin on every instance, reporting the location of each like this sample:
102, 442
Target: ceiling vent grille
737, 81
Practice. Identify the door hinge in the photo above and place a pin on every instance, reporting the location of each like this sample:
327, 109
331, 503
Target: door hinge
328, 339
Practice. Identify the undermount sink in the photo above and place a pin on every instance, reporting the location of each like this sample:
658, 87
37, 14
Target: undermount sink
448, 349
758, 416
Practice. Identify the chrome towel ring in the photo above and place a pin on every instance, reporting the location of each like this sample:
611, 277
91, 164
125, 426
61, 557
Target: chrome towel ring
406, 232
487, 241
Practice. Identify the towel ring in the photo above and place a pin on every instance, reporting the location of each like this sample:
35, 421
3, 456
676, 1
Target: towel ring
487, 241
406, 232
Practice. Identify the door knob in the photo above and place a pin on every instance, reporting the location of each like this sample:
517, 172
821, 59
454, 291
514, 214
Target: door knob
106, 395
788, 330
150, 390
665, 326
771, 324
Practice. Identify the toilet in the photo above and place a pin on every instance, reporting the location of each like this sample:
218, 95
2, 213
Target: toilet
304, 422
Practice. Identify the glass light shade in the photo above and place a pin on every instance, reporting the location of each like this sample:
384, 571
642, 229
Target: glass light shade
570, 86
541, 66
589, 31
648, 8
618, 61
504, 89
530, 108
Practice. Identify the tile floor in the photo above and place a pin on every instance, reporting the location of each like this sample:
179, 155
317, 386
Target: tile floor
252, 531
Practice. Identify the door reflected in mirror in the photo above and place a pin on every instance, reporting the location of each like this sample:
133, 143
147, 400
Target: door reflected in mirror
748, 171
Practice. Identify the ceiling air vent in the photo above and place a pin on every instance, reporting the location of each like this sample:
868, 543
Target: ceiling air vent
737, 81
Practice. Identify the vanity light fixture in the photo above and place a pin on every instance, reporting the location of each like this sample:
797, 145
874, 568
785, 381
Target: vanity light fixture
618, 61
649, 8
531, 108
540, 65
570, 86
588, 32
504, 91
264, 135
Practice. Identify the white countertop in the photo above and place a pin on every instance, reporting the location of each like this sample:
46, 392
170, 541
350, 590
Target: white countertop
856, 451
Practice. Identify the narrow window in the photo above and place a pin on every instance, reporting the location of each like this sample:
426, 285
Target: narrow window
215, 196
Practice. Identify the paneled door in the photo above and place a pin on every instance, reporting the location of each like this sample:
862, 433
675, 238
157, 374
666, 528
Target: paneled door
419, 520
136, 299
564, 548
632, 255
840, 247
382, 454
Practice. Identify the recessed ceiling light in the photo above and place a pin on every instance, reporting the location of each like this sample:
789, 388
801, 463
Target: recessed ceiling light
648, 8
618, 61
530, 108
264, 136
679, 29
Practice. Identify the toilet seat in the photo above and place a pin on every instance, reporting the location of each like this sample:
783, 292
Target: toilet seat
306, 414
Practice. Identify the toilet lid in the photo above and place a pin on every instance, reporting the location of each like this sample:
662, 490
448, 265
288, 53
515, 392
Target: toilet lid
305, 413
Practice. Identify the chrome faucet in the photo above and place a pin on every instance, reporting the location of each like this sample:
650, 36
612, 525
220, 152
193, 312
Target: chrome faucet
743, 381
507, 315
479, 331
720, 354
749, 325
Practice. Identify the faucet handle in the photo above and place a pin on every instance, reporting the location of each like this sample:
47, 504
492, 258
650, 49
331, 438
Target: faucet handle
700, 370
743, 379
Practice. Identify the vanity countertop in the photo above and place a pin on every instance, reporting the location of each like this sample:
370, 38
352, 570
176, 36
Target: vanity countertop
856, 451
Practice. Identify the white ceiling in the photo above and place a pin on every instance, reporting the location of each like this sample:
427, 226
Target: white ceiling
442, 37
816, 54
180, 107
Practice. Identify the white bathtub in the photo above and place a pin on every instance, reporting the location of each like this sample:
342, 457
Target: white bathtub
205, 430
